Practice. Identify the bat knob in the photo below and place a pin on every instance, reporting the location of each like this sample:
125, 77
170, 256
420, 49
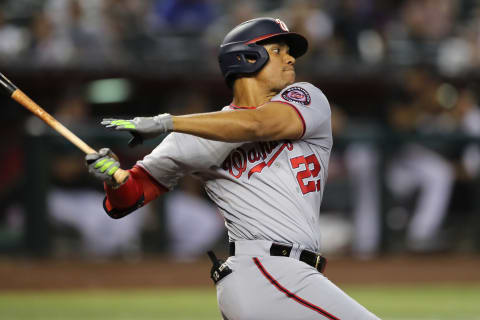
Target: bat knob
7, 86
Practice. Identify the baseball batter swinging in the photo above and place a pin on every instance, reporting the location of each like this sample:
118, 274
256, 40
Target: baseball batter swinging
263, 160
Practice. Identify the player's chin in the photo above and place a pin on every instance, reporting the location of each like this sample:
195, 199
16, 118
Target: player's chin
289, 80
289, 76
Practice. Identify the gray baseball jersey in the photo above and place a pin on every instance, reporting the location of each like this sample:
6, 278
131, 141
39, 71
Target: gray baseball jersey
265, 190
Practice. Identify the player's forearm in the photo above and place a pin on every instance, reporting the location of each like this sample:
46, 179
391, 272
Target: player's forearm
234, 126
139, 190
229, 126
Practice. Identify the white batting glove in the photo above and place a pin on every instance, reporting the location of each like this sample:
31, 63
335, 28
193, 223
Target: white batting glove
103, 165
142, 128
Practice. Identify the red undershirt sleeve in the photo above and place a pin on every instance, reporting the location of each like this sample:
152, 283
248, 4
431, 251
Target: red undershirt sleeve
138, 190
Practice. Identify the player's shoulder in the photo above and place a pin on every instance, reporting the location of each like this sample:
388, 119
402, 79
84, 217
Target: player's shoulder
304, 94
304, 85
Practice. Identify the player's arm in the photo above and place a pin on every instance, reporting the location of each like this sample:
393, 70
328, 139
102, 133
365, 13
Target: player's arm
139, 188
272, 121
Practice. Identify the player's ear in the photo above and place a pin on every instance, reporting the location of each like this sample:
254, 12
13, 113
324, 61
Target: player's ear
249, 57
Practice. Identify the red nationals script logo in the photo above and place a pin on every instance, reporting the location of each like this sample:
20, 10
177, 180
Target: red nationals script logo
297, 94
237, 161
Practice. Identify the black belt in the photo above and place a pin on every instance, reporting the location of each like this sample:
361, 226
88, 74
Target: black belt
313, 259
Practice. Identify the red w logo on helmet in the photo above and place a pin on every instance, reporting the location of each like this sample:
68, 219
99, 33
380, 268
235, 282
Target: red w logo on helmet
282, 25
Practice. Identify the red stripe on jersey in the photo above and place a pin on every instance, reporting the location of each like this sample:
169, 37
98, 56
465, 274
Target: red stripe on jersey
290, 294
237, 107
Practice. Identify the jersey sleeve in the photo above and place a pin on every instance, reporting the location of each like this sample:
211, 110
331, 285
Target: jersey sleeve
137, 191
313, 109
182, 154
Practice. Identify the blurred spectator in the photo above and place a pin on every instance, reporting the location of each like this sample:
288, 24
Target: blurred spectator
13, 40
234, 14
358, 163
467, 115
363, 167
185, 15
411, 39
78, 23
47, 48
467, 111
127, 31
12, 159
309, 18
79, 208
351, 18
460, 52
337, 229
424, 166
440, 15
472, 35
72, 109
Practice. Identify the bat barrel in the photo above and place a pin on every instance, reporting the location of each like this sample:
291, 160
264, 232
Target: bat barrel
6, 85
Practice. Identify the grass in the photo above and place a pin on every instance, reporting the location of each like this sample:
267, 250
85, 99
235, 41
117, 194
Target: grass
460, 302
126, 304
413, 302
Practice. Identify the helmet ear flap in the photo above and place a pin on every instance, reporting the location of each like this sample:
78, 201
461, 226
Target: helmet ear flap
238, 59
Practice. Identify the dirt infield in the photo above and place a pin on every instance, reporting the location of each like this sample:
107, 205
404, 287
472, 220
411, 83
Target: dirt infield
157, 272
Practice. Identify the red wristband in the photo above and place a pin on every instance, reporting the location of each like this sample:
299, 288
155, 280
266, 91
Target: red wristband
126, 195
138, 184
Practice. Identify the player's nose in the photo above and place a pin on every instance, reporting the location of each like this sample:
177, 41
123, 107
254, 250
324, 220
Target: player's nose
289, 59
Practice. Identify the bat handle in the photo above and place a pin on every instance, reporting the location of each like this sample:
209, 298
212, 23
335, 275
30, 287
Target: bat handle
121, 176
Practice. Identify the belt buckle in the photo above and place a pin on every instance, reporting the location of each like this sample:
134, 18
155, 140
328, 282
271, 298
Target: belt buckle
317, 261
321, 262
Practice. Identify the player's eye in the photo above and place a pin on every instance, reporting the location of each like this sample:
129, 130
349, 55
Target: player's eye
276, 50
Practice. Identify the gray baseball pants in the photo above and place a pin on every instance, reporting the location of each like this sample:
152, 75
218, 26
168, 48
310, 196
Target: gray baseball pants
268, 287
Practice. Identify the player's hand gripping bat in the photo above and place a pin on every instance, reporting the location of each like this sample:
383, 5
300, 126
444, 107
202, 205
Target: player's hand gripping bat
16, 94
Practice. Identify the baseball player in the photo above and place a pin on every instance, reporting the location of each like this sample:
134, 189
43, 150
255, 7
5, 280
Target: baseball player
263, 160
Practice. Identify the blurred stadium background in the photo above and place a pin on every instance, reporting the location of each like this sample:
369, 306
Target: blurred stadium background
402, 201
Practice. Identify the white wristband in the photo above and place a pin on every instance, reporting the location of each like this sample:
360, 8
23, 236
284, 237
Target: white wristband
165, 120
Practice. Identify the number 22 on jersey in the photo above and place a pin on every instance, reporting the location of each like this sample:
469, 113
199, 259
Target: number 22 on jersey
308, 173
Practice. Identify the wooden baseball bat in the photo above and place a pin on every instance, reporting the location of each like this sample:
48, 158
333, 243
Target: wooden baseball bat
16, 94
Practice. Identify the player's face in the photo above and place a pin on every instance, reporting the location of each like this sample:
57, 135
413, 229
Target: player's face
279, 72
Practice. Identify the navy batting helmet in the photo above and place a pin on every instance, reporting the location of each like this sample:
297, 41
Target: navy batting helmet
242, 43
